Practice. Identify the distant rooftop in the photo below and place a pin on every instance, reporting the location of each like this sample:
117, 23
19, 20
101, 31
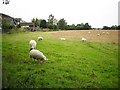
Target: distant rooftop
6, 15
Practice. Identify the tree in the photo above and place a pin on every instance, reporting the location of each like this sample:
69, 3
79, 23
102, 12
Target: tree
62, 24
33, 20
80, 26
118, 28
106, 27
7, 25
36, 21
71, 27
43, 23
114, 27
87, 26
51, 19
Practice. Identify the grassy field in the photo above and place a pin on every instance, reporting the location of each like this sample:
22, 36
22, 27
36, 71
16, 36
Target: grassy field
71, 64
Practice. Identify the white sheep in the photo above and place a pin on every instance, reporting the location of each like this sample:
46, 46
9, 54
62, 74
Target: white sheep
98, 34
32, 44
36, 54
62, 39
103, 32
40, 38
84, 39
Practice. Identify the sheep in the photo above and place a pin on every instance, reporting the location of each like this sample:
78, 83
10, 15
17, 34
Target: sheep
36, 54
98, 34
62, 39
103, 32
84, 39
32, 44
40, 38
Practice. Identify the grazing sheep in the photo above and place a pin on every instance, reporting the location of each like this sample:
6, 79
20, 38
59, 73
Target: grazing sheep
98, 34
62, 39
32, 44
40, 38
103, 32
36, 54
84, 39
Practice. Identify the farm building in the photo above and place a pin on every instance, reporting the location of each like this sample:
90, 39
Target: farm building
28, 25
8, 18
7, 23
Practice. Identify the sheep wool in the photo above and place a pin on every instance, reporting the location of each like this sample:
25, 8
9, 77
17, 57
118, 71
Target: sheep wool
36, 54
62, 39
32, 44
40, 38
98, 34
84, 39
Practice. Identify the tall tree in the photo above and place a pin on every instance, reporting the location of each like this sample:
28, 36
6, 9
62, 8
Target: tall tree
62, 24
87, 26
33, 20
51, 19
43, 23
36, 21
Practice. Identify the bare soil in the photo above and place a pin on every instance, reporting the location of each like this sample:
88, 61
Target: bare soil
108, 36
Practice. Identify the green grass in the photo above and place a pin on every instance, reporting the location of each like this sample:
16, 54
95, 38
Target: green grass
71, 64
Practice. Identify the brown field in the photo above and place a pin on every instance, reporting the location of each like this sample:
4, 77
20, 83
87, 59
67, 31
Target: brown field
109, 36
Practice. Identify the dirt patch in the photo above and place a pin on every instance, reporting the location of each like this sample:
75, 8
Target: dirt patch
109, 36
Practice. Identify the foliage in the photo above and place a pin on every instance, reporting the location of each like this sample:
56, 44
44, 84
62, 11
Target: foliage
50, 19
87, 26
43, 23
36, 21
7, 25
71, 27
62, 24
118, 28
106, 28
81, 26
52, 22
113, 27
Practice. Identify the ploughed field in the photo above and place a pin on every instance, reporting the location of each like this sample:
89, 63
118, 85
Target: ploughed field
71, 63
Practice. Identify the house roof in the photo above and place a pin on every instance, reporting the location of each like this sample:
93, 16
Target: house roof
26, 24
18, 19
6, 15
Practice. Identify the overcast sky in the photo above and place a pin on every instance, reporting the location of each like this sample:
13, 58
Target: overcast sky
96, 12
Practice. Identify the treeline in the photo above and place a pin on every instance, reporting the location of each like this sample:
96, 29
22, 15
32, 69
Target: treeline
53, 24
114, 27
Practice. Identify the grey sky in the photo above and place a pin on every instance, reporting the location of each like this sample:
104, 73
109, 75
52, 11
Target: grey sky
96, 12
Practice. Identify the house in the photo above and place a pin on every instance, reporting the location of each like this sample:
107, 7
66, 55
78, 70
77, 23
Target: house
7, 17
8, 20
11, 21
28, 24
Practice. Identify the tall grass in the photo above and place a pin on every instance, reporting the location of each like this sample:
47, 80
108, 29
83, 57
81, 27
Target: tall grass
71, 64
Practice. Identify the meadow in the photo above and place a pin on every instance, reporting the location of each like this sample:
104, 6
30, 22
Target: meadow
71, 63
